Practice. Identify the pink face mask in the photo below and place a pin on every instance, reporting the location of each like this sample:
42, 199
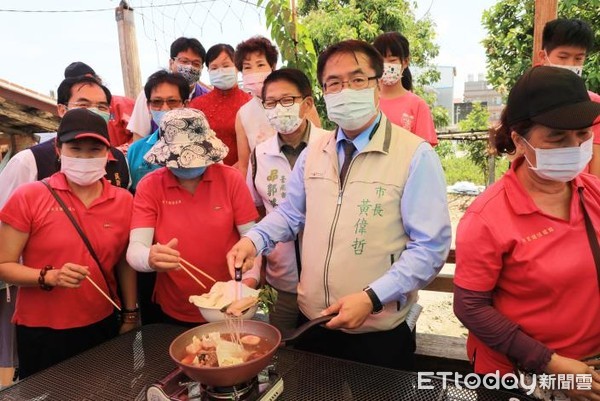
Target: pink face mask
253, 82
83, 171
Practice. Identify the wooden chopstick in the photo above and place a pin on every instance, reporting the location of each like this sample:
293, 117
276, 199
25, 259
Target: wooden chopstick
102, 292
192, 276
191, 266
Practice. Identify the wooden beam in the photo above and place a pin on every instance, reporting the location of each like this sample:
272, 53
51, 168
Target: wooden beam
442, 283
545, 10
15, 118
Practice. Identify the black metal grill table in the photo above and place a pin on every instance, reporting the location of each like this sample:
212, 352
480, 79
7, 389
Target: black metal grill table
123, 368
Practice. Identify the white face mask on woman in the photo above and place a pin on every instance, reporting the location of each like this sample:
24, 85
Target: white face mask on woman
223, 78
350, 108
392, 73
83, 171
561, 164
285, 120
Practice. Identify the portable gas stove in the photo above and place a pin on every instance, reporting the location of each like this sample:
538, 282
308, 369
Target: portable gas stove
176, 386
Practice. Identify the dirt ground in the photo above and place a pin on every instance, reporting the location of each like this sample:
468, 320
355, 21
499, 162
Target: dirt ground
437, 316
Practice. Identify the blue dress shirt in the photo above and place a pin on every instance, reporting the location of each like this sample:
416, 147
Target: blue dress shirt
424, 210
138, 167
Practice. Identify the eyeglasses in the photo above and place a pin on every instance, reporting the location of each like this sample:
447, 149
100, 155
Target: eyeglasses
158, 103
286, 101
336, 85
185, 61
105, 107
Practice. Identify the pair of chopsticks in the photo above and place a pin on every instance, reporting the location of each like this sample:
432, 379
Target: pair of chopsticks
189, 273
180, 265
191, 266
102, 292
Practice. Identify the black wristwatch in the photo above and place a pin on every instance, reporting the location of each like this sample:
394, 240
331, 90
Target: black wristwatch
377, 306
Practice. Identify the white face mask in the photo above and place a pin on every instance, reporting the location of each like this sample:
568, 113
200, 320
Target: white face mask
392, 73
285, 120
561, 164
83, 171
351, 109
253, 82
577, 69
223, 78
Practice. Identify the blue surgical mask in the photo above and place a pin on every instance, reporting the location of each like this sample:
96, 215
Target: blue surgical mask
157, 115
187, 173
105, 115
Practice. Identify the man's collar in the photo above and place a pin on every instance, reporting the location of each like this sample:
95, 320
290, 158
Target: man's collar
303, 141
362, 139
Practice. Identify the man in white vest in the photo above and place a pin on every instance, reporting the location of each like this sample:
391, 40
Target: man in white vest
371, 198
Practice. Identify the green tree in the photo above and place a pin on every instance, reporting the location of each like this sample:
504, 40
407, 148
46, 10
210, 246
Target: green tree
509, 40
330, 21
295, 45
477, 150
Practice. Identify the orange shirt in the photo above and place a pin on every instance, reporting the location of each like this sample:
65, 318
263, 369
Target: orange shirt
540, 267
204, 223
54, 241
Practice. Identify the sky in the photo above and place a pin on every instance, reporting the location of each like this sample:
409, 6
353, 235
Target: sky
36, 47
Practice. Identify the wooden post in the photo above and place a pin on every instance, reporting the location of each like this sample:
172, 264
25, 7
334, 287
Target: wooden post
545, 10
130, 62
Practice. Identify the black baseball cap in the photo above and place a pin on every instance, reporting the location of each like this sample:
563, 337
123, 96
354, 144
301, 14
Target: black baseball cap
82, 123
77, 69
551, 96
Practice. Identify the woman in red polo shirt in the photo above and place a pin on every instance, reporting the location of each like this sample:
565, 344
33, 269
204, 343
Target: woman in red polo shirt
526, 284
194, 208
59, 312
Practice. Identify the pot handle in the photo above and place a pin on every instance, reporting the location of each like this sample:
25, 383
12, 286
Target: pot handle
304, 327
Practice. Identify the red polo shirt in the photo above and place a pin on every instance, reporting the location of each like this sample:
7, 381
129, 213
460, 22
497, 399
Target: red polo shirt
540, 267
204, 223
54, 241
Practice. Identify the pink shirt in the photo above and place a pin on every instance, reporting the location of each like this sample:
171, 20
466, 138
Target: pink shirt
539, 267
412, 113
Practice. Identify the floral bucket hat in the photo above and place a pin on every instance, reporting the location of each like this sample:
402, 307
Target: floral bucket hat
186, 141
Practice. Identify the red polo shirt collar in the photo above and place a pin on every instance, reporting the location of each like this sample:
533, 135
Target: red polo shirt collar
518, 198
171, 180
59, 181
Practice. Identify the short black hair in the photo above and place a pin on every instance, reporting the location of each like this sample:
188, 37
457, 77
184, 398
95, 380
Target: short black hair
64, 94
351, 46
396, 44
216, 50
291, 75
258, 44
567, 32
182, 44
167, 77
